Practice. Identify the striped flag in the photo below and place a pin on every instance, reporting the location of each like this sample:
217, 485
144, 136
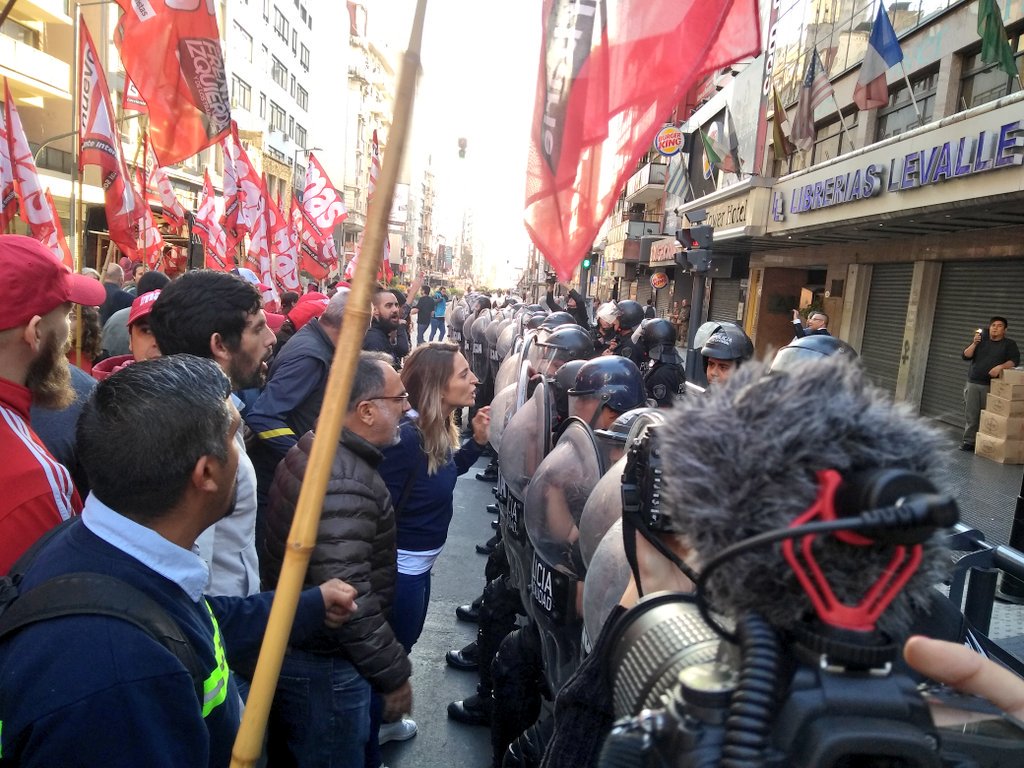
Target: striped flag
813, 91
780, 127
678, 179
883, 52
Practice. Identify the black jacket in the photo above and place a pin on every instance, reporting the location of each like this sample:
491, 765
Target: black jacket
579, 312
377, 340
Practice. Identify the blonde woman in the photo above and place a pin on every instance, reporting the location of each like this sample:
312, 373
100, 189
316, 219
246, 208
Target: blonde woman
420, 471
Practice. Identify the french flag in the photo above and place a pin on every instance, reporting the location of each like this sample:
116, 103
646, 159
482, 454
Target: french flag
883, 52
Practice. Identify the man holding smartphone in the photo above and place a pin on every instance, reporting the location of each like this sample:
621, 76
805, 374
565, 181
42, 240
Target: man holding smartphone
989, 353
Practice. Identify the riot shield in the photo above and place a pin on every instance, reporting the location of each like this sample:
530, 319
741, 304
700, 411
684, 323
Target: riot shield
607, 578
555, 500
502, 408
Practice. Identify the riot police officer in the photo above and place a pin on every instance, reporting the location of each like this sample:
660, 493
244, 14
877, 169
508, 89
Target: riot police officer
726, 348
665, 379
630, 315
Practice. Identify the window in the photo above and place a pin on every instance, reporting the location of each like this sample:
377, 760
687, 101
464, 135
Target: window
295, 41
899, 115
291, 126
241, 94
242, 41
20, 32
277, 119
982, 82
278, 72
291, 87
302, 98
280, 25
832, 141
299, 135
263, 106
266, 10
309, 21
304, 57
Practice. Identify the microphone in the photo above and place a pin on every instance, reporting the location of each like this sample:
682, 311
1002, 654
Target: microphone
746, 459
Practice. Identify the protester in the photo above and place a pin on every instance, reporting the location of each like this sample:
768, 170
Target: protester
138, 269
96, 690
117, 297
387, 331
36, 294
141, 341
115, 330
220, 316
56, 428
440, 307
424, 311
321, 712
83, 354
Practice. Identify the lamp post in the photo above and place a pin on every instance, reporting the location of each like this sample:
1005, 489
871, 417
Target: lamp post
295, 162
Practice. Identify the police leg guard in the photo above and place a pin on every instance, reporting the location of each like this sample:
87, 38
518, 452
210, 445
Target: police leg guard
497, 619
518, 682
527, 750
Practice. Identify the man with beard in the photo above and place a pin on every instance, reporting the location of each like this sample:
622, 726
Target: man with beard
36, 294
387, 331
220, 316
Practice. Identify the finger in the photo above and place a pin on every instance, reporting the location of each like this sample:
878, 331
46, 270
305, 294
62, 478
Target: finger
966, 671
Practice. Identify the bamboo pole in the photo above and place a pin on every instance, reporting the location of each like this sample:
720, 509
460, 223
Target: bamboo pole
302, 537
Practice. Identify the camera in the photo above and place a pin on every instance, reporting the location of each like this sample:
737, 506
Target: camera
695, 689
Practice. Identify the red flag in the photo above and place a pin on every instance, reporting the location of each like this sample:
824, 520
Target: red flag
8, 197
309, 257
172, 208
131, 99
171, 50
100, 144
322, 206
147, 234
610, 75
243, 191
34, 203
209, 231
284, 248
384, 272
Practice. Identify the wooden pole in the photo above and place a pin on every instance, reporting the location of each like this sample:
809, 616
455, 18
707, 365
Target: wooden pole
302, 537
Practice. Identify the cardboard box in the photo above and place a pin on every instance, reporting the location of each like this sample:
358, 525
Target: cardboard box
1003, 407
1012, 376
1002, 426
1006, 390
1000, 449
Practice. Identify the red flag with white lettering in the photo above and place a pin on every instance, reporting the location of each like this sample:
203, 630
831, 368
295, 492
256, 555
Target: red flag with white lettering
131, 99
209, 231
322, 206
610, 74
243, 191
34, 203
100, 144
172, 208
151, 242
171, 50
8, 197
309, 260
284, 248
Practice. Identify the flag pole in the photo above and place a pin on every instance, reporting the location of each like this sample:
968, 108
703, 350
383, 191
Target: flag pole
910, 90
842, 121
302, 537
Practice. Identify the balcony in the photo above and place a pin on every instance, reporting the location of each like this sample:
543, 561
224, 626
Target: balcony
32, 74
48, 11
647, 185
633, 230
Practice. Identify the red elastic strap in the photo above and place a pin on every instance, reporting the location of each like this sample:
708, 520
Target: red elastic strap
862, 616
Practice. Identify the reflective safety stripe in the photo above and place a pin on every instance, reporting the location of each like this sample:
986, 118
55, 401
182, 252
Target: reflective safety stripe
215, 687
1, 739
270, 434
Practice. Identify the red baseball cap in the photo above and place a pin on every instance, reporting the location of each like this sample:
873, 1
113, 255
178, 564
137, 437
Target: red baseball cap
33, 281
142, 306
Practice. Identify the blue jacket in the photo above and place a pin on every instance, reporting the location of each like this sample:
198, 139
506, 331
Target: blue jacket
90, 690
424, 518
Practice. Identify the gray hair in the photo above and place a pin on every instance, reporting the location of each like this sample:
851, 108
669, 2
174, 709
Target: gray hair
368, 381
335, 311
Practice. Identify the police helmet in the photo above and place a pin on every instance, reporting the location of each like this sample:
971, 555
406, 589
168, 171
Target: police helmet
659, 340
614, 380
813, 347
565, 380
728, 342
631, 314
557, 319
534, 321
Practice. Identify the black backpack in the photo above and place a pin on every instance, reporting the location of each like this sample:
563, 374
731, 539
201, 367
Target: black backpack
90, 593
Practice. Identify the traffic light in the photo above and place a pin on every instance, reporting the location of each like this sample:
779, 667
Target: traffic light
586, 263
697, 241
462, 148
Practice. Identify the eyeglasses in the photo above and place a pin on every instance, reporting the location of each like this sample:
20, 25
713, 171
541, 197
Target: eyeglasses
404, 396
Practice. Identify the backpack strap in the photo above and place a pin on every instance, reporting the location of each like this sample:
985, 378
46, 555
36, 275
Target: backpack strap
77, 594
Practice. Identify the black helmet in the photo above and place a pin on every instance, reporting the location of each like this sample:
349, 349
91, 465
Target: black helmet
556, 319
480, 302
728, 342
569, 342
536, 308
534, 321
565, 380
659, 340
813, 347
615, 380
468, 327
631, 314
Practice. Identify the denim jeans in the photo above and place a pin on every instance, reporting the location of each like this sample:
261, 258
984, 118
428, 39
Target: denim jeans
437, 326
421, 332
320, 717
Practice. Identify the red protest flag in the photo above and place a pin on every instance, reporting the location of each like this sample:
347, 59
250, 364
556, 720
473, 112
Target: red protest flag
8, 196
173, 210
243, 191
322, 206
171, 50
610, 74
309, 257
131, 99
99, 144
284, 248
56, 241
209, 231
34, 204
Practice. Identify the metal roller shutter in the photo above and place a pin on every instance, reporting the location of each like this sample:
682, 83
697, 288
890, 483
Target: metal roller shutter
664, 301
969, 294
886, 318
644, 290
725, 300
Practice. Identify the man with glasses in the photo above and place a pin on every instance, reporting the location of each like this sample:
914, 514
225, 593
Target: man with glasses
321, 711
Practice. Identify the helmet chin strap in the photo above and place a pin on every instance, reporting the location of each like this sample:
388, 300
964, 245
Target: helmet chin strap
629, 531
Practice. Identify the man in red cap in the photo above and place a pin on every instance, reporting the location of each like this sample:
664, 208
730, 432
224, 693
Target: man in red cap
36, 294
141, 341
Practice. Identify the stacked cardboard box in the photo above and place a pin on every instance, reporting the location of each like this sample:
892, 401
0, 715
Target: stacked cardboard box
1001, 435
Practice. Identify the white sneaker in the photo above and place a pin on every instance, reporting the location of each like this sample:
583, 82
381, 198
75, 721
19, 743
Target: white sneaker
402, 730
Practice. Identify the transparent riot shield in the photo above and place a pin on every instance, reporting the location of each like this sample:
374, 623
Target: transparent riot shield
555, 500
507, 372
524, 443
502, 408
456, 320
607, 578
481, 360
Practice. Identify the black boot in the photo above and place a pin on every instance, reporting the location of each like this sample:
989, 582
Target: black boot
473, 710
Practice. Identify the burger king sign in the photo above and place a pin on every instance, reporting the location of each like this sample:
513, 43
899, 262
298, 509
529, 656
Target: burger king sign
669, 141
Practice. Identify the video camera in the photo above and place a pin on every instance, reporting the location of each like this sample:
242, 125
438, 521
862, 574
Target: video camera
694, 689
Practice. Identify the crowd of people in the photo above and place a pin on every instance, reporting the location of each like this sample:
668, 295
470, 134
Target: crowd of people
152, 486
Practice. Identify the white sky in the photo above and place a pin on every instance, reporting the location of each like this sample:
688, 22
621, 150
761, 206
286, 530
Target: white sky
479, 78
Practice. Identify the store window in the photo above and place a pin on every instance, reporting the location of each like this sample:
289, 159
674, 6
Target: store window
899, 115
981, 83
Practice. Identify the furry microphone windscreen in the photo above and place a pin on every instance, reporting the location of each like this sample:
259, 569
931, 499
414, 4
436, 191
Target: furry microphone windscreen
742, 461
